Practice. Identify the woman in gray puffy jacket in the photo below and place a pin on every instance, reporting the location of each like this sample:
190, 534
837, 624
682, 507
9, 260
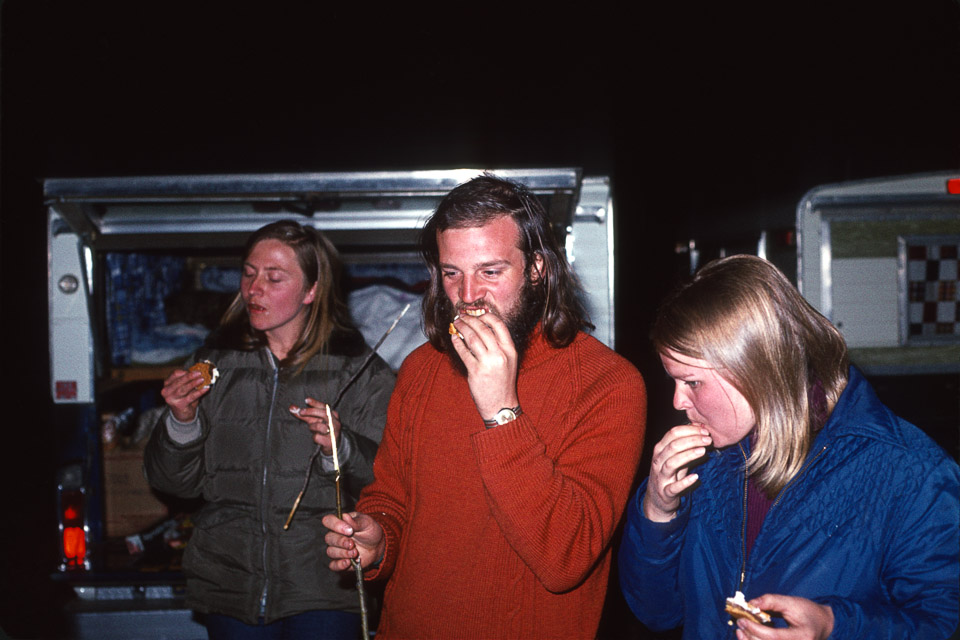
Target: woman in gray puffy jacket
285, 348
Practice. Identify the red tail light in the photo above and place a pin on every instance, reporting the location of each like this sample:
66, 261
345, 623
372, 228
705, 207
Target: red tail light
74, 535
74, 546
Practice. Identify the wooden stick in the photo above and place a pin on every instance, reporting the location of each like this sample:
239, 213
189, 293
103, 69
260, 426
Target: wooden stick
361, 593
336, 459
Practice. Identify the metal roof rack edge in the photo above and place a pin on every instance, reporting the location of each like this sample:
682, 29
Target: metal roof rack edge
252, 184
903, 187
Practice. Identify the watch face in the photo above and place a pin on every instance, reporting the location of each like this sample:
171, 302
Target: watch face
505, 415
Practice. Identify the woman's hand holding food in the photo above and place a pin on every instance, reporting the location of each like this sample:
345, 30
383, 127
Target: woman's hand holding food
669, 472
808, 620
182, 391
315, 415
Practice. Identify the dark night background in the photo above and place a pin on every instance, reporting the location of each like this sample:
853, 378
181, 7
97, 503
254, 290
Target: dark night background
712, 120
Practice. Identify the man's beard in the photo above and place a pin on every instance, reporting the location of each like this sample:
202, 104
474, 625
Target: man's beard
521, 321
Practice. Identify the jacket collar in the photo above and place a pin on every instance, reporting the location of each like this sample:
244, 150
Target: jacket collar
859, 413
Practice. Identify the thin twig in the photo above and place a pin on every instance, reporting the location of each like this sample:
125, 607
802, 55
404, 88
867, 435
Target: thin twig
361, 593
336, 401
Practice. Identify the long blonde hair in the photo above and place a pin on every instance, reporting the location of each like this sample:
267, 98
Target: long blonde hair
320, 263
745, 318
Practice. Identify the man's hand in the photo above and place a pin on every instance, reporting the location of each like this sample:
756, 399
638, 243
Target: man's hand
487, 351
356, 537
669, 475
807, 619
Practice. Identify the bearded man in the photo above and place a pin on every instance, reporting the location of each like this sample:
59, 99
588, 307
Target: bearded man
511, 443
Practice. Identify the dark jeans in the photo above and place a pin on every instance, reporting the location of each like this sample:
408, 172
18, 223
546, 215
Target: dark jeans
312, 625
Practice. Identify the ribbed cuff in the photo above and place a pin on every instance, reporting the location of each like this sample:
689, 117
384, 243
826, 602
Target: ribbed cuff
183, 432
343, 454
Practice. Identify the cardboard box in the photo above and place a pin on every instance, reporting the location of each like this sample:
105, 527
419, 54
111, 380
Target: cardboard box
131, 506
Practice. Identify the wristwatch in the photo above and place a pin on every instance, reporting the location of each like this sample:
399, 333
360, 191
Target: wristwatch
504, 416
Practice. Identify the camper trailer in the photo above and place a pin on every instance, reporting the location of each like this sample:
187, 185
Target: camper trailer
879, 259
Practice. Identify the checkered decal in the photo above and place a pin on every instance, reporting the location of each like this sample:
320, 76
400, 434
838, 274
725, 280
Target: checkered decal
933, 303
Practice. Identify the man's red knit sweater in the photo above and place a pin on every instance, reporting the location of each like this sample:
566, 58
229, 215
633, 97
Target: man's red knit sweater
505, 532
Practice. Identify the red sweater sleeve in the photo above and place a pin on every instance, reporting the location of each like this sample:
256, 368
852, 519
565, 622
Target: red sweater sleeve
558, 482
387, 499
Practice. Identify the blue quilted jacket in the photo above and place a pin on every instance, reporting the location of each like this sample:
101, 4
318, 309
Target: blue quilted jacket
870, 527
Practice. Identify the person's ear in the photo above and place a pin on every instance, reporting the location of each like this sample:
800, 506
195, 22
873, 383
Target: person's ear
536, 272
310, 295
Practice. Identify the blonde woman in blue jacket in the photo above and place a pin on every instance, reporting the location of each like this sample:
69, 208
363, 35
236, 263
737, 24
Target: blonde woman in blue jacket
791, 483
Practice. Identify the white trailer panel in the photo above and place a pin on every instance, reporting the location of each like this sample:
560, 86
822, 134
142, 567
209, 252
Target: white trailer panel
879, 259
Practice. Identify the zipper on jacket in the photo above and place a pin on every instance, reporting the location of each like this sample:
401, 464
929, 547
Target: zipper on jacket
743, 527
263, 487
743, 524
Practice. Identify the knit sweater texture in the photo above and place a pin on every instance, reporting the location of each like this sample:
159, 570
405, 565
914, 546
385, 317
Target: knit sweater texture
505, 532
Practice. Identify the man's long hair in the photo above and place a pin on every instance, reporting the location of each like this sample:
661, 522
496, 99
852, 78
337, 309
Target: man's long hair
748, 321
478, 202
320, 263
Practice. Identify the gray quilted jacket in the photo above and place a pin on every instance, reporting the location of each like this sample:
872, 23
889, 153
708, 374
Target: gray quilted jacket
249, 466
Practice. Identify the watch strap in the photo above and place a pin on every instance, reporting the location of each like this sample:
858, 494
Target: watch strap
493, 422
